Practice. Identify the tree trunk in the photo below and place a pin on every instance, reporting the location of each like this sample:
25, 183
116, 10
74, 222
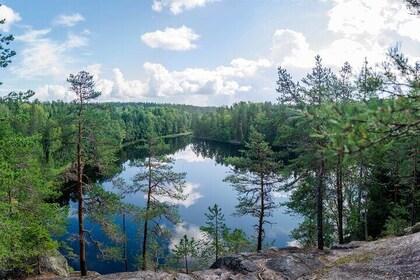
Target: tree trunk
359, 200
340, 197
415, 182
261, 218
366, 207
82, 249
366, 219
186, 263
125, 245
38, 265
217, 236
145, 229
319, 207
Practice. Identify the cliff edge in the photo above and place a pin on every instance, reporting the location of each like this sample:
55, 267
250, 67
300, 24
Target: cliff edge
389, 258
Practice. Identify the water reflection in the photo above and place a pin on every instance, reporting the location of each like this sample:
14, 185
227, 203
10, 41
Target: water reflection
191, 193
203, 163
214, 150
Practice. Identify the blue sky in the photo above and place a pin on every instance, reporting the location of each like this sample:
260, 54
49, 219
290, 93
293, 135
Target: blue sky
201, 52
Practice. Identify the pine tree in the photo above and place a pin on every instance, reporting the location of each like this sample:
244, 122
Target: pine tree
186, 249
83, 85
157, 181
317, 88
216, 229
237, 241
255, 176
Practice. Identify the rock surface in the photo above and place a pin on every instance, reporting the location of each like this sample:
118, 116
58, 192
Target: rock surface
235, 263
56, 264
413, 229
351, 245
391, 258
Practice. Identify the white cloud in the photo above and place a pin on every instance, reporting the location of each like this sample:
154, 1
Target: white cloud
69, 20
290, 48
352, 51
75, 41
192, 231
353, 17
95, 70
191, 85
178, 6
188, 155
364, 29
367, 29
10, 17
224, 80
175, 39
127, 89
191, 193
410, 29
118, 88
54, 92
40, 57
363, 19
44, 57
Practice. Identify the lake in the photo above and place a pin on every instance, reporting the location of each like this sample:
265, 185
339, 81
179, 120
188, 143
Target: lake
202, 161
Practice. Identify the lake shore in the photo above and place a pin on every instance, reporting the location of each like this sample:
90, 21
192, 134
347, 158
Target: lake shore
388, 258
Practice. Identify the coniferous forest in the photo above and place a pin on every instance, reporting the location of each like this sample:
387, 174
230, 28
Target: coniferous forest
344, 145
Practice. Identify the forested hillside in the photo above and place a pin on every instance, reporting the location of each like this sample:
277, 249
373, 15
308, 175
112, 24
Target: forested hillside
343, 147
351, 144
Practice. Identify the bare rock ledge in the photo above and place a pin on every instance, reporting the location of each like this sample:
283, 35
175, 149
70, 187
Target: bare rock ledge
390, 258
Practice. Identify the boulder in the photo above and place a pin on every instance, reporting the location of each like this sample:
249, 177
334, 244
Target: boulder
413, 229
235, 264
295, 266
56, 264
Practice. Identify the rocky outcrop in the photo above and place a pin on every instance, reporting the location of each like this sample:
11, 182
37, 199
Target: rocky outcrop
295, 266
413, 229
56, 264
351, 245
390, 258
235, 263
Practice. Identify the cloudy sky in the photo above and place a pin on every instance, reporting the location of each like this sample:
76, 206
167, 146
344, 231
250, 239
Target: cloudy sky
201, 52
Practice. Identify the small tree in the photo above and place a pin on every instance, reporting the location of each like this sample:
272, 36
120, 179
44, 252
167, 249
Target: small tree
186, 249
255, 176
237, 241
159, 184
216, 229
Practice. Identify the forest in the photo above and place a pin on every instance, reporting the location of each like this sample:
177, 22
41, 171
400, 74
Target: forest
345, 146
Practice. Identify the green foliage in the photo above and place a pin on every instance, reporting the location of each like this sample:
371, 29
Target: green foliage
216, 230
232, 124
396, 221
28, 222
186, 249
162, 187
255, 176
5, 52
237, 241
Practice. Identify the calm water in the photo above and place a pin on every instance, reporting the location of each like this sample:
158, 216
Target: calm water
205, 187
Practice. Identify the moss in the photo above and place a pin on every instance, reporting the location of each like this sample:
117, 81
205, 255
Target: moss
359, 258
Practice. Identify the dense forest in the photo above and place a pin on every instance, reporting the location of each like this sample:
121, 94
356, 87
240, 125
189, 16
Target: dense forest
344, 146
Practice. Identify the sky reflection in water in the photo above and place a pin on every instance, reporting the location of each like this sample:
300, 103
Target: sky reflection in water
205, 187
